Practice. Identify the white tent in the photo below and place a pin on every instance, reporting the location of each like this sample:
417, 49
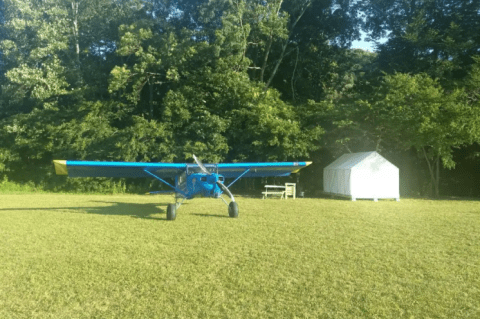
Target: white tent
362, 175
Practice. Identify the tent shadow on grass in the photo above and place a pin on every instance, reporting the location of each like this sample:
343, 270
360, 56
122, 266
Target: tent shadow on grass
143, 211
446, 198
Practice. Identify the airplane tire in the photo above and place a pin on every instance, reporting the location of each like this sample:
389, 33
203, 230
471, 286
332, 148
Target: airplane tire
171, 212
233, 210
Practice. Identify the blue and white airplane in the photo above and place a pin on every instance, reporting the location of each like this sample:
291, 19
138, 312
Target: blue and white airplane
190, 179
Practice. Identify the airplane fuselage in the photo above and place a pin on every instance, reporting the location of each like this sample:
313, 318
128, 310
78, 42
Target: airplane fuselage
200, 184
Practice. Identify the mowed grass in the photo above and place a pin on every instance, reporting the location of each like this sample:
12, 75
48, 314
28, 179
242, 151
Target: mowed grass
97, 256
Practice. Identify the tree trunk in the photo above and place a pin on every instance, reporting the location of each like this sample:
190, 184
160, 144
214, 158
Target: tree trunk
150, 101
265, 59
437, 179
434, 169
377, 148
276, 66
292, 82
76, 41
284, 47
75, 29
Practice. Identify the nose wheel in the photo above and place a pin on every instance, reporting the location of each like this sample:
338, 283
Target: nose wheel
233, 210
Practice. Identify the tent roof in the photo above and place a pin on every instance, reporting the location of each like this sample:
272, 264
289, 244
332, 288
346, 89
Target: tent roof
348, 161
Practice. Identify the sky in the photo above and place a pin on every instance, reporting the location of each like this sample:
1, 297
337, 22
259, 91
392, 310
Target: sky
362, 44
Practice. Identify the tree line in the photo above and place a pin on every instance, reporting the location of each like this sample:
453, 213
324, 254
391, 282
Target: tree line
241, 80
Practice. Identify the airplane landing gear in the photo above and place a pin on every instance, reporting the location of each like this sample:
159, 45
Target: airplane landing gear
171, 211
233, 210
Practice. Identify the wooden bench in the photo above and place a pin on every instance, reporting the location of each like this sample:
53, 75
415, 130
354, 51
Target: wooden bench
274, 190
290, 189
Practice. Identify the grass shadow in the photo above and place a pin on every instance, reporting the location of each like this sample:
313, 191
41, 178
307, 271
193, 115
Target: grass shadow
212, 215
448, 198
134, 210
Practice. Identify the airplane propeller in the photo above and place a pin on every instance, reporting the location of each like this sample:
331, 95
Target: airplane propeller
201, 165
221, 185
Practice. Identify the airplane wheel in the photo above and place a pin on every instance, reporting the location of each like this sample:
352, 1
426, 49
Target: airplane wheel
233, 210
171, 212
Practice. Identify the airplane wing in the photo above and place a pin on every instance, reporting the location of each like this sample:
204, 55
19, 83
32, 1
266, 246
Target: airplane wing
166, 170
232, 170
116, 169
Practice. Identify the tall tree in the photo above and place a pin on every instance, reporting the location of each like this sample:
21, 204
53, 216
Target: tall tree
280, 37
417, 112
434, 36
49, 51
156, 62
48, 47
210, 105
319, 40
2, 37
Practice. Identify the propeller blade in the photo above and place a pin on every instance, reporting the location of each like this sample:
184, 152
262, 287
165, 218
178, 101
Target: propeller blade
225, 188
201, 165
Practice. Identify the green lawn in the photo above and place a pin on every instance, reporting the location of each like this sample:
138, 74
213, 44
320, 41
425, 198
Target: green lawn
108, 256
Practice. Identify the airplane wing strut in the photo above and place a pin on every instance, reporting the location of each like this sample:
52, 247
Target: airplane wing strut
240, 176
165, 182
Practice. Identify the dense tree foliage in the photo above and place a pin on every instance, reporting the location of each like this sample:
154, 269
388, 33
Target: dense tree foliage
439, 37
237, 80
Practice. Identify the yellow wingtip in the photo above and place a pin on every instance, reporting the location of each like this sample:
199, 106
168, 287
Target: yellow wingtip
60, 167
306, 164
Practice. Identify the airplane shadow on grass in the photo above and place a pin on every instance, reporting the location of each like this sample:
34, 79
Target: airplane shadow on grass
212, 215
135, 210
143, 211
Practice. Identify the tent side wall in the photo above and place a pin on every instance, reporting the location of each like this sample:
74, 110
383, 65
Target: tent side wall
337, 181
379, 184
362, 175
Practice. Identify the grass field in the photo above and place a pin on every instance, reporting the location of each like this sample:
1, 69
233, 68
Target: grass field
108, 256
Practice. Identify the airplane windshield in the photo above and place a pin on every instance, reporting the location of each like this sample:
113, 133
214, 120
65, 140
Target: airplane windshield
193, 169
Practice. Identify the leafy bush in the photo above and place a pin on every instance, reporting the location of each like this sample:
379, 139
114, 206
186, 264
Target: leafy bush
7, 186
